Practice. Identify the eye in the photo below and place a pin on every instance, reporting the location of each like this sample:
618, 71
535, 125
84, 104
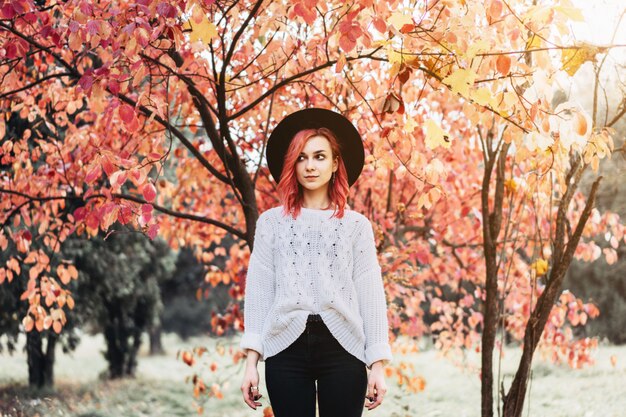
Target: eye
320, 156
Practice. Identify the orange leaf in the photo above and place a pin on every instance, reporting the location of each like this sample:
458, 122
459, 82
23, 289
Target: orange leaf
380, 24
72, 271
57, 326
28, 323
63, 275
503, 64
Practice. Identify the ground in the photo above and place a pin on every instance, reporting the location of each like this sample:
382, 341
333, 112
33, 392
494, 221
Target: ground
160, 389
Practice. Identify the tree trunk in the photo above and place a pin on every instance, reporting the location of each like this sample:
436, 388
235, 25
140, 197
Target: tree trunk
156, 344
40, 363
492, 220
513, 402
117, 344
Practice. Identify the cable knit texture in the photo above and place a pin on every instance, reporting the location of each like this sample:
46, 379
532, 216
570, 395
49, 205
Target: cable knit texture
315, 264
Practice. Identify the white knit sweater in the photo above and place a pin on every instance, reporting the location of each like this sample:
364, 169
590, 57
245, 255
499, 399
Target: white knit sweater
315, 264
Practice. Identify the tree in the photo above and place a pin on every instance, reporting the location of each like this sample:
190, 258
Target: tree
41, 346
118, 290
154, 89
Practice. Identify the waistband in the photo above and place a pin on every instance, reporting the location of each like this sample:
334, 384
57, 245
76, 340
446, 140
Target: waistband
314, 318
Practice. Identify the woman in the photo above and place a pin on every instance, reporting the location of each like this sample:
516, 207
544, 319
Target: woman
315, 308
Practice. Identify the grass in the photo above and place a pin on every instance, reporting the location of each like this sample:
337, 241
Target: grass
159, 389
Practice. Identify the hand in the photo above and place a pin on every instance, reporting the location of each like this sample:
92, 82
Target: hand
376, 386
250, 387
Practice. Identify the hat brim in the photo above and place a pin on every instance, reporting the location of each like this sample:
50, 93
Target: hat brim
350, 142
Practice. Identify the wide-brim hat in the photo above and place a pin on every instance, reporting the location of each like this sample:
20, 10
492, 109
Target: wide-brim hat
350, 142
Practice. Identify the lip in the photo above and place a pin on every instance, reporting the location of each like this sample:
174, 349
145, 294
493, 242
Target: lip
310, 176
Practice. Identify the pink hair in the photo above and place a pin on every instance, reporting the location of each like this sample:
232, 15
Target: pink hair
289, 189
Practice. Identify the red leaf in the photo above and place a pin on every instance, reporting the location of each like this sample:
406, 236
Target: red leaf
7, 11
404, 75
127, 113
380, 24
93, 175
125, 214
346, 43
407, 28
92, 220
166, 10
108, 167
392, 104
153, 230
86, 82
80, 213
149, 192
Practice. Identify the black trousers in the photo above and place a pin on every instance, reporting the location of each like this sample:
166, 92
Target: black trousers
316, 355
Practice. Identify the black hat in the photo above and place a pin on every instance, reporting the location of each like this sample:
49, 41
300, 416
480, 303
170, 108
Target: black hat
350, 142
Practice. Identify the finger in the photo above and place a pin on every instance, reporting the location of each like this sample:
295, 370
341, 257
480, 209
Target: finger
375, 401
250, 395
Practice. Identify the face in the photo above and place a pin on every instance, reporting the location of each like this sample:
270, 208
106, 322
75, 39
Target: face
315, 165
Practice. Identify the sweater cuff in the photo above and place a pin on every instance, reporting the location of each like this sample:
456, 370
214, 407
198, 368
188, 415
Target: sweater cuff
252, 341
377, 352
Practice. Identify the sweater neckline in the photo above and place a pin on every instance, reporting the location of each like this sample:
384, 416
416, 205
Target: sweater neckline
309, 213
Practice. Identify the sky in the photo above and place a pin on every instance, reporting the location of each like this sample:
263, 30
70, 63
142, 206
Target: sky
600, 20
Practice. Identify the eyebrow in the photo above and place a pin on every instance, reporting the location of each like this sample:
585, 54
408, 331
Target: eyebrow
314, 153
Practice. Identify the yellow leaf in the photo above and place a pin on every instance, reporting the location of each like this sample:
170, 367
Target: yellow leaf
483, 96
540, 266
435, 136
533, 42
398, 20
477, 47
410, 124
572, 12
203, 31
573, 58
460, 81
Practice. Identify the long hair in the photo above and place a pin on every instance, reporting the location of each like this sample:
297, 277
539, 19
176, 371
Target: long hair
289, 189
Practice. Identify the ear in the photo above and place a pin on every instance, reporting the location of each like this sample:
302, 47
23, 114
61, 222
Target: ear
335, 164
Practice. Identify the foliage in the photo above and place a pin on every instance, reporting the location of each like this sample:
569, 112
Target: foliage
447, 93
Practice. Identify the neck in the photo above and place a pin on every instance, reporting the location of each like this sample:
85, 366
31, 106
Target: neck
317, 199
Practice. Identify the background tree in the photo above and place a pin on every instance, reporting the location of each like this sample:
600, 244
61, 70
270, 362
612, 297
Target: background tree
119, 290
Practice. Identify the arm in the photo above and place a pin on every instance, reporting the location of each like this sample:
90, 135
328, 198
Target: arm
371, 295
259, 292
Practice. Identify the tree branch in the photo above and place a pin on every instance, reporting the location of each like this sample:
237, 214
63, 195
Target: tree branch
39, 81
292, 78
135, 199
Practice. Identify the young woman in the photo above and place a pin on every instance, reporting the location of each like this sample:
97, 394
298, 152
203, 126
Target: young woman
314, 308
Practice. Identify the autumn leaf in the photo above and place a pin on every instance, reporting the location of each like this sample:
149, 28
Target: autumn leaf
573, 58
460, 81
503, 64
28, 323
128, 116
434, 135
379, 24
540, 266
149, 192
200, 29
393, 104
403, 23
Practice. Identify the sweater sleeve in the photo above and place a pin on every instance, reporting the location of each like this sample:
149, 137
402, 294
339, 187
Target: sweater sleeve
259, 291
371, 295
